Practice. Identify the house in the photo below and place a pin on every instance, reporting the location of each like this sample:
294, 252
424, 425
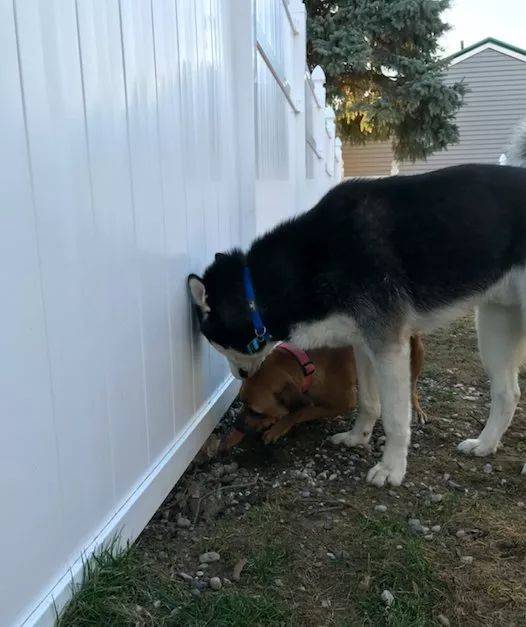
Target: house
495, 75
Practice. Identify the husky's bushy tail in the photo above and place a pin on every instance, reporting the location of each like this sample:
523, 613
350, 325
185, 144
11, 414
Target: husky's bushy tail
516, 152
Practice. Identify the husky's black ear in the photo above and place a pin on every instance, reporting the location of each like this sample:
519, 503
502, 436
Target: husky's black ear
220, 256
198, 292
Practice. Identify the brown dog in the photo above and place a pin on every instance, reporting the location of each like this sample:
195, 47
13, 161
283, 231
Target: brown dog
276, 397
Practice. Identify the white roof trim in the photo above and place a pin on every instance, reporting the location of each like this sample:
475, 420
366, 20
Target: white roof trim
488, 45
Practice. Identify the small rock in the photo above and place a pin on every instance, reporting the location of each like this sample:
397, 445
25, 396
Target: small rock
520, 504
199, 573
443, 620
305, 494
467, 559
209, 557
326, 603
461, 533
416, 526
183, 522
215, 583
436, 528
199, 585
429, 536
331, 556
328, 523
488, 469
185, 577
437, 498
157, 604
387, 597
333, 476
380, 508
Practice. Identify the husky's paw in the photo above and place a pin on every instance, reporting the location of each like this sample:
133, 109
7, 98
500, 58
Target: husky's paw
381, 475
476, 447
350, 439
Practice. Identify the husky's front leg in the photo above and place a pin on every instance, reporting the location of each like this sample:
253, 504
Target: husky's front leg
392, 370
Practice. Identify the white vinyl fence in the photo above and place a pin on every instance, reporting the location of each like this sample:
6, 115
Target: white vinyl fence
134, 146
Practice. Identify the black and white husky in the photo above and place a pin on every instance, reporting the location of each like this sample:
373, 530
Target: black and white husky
372, 263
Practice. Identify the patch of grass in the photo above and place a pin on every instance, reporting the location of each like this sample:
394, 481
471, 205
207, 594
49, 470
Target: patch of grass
407, 572
109, 578
267, 563
232, 610
118, 588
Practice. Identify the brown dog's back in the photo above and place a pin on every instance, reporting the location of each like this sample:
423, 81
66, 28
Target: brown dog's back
275, 400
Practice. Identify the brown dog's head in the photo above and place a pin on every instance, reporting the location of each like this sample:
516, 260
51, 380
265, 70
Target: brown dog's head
270, 394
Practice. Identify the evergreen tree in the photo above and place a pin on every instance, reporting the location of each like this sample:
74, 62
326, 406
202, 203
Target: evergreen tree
384, 74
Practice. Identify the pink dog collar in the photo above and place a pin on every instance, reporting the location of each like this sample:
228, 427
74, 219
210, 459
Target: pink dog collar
303, 360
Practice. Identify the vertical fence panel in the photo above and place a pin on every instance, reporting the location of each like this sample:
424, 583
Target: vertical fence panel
148, 202
26, 399
294, 130
189, 94
50, 70
175, 214
121, 354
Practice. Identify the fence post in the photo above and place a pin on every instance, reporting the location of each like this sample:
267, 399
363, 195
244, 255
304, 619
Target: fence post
243, 42
338, 160
318, 78
318, 121
330, 129
298, 13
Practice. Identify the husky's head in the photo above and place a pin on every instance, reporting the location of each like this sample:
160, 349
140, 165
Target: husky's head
223, 313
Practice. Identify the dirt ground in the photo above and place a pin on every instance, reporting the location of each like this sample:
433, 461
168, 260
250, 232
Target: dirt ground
319, 546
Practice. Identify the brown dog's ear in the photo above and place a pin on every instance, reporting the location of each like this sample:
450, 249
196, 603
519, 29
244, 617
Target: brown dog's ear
291, 398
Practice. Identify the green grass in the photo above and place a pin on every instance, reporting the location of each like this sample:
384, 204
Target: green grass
267, 564
232, 610
120, 589
406, 572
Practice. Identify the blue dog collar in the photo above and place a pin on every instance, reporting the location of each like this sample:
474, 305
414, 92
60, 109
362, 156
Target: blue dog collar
262, 336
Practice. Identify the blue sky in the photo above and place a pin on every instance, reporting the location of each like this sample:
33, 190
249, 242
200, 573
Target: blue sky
473, 20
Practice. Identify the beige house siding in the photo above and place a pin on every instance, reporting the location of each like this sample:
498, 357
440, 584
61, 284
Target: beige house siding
372, 159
